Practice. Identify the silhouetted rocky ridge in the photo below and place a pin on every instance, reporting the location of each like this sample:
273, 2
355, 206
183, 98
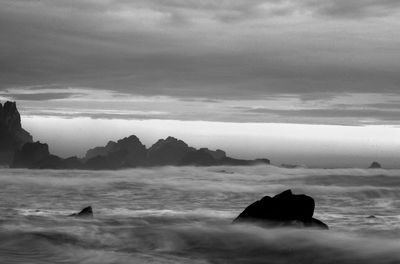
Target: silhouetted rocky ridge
283, 210
19, 151
12, 135
130, 152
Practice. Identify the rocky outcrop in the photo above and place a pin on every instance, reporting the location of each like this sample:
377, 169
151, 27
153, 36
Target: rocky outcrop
201, 157
375, 165
37, 156
284, 209
128, 152
86, 212
100, 151
216, 154
12, 135
31, 155
169, 151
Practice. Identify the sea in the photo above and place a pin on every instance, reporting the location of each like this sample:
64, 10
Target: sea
184, 215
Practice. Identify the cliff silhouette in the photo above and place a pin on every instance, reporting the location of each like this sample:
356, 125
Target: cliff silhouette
17, 150
12, 135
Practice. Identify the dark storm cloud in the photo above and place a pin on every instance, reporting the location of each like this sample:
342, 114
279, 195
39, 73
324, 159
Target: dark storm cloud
210, 49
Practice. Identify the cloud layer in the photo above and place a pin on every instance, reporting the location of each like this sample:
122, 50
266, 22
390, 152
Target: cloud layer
215, 50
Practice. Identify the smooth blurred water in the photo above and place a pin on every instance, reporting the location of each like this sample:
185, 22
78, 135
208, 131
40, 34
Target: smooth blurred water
183, 215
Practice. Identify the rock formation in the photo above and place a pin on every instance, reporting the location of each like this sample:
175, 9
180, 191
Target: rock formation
100, 151
375, 165
37, 156
128, 152
12, 135
201, 157
284, 209
169, 151
31, 155
86, 212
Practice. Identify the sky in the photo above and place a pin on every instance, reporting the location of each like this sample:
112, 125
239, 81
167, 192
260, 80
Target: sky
269, 65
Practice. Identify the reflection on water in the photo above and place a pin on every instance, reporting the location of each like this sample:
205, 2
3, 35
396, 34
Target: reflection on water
183, 215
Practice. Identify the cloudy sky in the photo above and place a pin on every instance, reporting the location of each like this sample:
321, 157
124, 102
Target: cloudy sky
329, 63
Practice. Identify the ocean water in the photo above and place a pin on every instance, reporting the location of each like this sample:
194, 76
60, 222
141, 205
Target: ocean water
184, 215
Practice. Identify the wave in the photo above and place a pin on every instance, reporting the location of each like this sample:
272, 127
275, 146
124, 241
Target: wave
197, 242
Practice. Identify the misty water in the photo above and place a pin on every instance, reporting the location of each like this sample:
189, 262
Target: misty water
184, 215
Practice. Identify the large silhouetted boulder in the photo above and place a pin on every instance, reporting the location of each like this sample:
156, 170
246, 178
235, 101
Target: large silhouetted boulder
12, 135
169, 151
284, 209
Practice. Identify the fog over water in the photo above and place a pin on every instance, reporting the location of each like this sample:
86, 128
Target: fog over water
183, 215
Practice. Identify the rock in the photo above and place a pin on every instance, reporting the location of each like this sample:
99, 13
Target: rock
100, 151
371, 217
216, 154
201, 157
169, 151
12, 135
37, 156
31, 155
284, 209
375, 165
128, 152
86, 212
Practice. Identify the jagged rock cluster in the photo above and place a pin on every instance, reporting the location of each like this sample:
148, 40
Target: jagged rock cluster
12, 135
18, 151
128, 152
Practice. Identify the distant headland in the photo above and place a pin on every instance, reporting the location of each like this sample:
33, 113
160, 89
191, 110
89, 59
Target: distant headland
17, 150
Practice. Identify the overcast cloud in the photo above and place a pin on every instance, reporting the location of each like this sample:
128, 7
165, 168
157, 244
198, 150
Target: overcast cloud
204, 50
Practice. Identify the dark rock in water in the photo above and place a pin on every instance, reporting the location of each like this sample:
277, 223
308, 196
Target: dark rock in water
375, 165
169, 151
12, 135
371, 217
86, 212
284, 209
